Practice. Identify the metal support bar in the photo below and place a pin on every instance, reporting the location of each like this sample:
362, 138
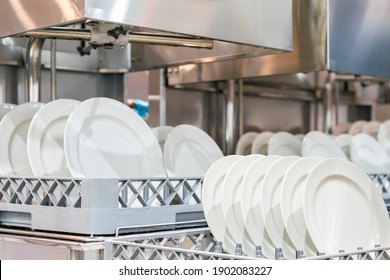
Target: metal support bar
240, 107
329, 103
33, 67
144, 38
53, 70
230, 113
163, 98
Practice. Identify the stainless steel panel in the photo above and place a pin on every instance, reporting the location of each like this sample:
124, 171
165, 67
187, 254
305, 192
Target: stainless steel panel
342, 36
25, 247
8, 84
359, 37
253, 22
22, 15
308, 55
152, 56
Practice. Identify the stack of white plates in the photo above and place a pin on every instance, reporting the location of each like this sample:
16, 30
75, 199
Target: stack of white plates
269, 143
295, 203
97, 138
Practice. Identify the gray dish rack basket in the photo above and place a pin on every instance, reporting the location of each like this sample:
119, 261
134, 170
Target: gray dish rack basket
99, 206
102, 206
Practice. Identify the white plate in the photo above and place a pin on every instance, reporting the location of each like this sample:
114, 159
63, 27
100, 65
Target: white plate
189, 152
384, 135
5, 108
212, 190
104, 138
319, 144
252, 185
231, 205
369, 155
300, 136
344, 141
284, 144
341, 128
244, 144
343, 209
371, 128
13, 141
293, 188
161, 133
357, 127
271, 211
260, 144
45, 139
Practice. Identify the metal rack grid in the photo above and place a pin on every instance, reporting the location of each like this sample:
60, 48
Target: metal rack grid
98, 206
199, 244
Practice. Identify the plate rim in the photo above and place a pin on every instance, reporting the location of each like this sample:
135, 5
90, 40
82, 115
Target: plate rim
35, 132
284, 137
186, 132
18, 116
231, 206
315, 137
276, 172
82, 113
249, 209
349, 170
293, 175
210, 202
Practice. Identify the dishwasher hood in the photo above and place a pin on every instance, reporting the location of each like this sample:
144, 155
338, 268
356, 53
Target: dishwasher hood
224, 28
342, 36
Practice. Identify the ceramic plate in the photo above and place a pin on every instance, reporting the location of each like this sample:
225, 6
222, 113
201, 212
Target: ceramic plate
5, 108
300, 136
104, 138
284, 144
369, 155
357, 127
344, 141
212, 200
292, 190
231, 206
371, 128
252, 185
189, 152
319, 144
343, 209
260, 143
244, 144
270, 204
161, 133
13, 141
45, 139
341, 128
384, 135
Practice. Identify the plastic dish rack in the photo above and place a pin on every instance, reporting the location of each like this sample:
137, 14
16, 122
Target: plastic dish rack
382, 181
98, 206
199, 244
101, 206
